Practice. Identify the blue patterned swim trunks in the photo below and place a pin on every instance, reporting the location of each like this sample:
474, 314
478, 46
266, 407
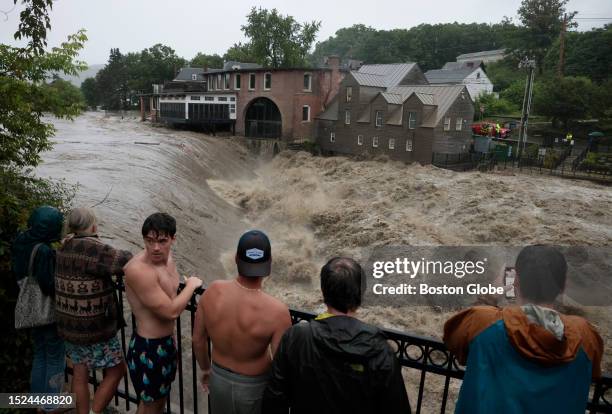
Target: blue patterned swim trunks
102, 355
152, 364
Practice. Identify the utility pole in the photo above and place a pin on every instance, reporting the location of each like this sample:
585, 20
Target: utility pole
527, 98
562, 47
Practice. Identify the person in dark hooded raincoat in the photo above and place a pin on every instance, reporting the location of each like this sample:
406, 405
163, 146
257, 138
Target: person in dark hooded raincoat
44, 226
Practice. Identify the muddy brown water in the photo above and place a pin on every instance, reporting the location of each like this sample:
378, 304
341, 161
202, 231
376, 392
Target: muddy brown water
313, 208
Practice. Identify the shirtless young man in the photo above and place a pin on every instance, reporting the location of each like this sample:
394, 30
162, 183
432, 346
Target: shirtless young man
151, 286
245, 326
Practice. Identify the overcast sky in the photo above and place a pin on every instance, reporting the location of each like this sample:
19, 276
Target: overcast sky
191, 26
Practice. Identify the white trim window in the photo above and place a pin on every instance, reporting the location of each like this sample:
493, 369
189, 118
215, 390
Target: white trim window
408, 144
379, 118
267, 81
194, 77
237, 81
332, 137
375, 142
412, 120
458, 124
307, 82
447, 123
359, 139
210, 82
252, 82
226, 83
391, 143
305, 113
347, 117
349, 93
219, 81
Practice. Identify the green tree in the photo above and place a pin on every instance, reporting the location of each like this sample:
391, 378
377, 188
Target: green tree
112, 82
89, 89
202, 60
493, 106
65, 95
240, 52
543, 21
279, 41
565, 99
24, 97
586, 54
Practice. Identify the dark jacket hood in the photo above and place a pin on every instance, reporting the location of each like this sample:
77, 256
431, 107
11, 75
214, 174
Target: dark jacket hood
44, 226
347, 335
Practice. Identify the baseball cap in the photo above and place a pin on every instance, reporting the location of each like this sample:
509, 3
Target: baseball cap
254, 254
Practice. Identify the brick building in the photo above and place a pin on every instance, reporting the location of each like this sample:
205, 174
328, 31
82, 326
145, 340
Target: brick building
253, 101
392, 110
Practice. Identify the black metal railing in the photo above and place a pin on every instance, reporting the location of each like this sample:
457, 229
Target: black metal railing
426, 355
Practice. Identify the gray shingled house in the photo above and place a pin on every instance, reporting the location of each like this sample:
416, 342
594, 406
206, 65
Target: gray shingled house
470, 74
392, 110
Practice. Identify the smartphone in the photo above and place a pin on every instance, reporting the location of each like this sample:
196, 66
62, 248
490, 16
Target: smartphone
509, 276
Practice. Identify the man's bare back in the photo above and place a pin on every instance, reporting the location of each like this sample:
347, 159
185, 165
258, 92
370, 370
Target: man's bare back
245, 325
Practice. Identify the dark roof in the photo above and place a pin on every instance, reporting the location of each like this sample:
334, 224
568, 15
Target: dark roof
382, 76
234, 65
442, 96
462, 65
185, 74
481, 54
448, 76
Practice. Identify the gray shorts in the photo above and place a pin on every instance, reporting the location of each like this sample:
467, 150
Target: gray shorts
233, 393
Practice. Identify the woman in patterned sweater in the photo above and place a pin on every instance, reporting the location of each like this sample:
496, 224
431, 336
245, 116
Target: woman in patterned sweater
88, 316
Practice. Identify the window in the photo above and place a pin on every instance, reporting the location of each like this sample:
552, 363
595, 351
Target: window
226, 84
391, 143
209, 98
194, 76
214, 83
447, 122
195, 98
237, 81
251, 81
232, 99
349, 93
222, 98
267, 81
409, 145
210, 83
458, 124
477, 75
347, 117
219, 82
332, 137
375, 142
379, 118
232, 109
306, 113
307, 82
412, 120
359, 139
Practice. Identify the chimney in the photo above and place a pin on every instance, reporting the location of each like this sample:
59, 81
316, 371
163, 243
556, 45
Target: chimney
333, 62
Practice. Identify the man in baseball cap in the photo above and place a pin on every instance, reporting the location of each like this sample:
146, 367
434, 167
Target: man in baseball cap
254, 254
245, 326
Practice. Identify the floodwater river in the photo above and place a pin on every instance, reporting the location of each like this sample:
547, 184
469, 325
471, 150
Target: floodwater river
131, 169
314, 208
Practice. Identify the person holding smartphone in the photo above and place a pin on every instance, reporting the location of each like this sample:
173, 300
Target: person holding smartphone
528, 357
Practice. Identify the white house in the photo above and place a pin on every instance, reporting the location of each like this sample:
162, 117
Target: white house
469, 74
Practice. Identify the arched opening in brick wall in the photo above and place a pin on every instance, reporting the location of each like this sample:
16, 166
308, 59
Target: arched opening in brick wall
263, 119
